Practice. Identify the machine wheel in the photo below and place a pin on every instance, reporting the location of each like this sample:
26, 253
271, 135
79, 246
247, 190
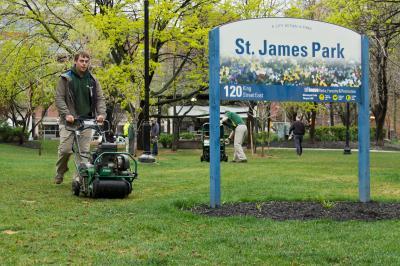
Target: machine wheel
226, 158
201, 159
76, 187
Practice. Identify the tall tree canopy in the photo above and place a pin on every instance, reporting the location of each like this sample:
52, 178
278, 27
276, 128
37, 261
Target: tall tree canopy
380, 20
113, 32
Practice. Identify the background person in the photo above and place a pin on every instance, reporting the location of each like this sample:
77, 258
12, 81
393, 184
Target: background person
154, 134
129, 134
78, 94
298, 130
239, 131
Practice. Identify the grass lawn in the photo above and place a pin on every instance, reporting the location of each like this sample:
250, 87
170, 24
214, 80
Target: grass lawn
42, 223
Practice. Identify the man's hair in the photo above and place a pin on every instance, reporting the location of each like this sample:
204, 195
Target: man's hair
82, 54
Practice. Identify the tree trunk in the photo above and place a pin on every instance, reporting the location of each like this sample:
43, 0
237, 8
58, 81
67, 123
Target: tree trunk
250, 122
312, 125
380, 108
140, 145
263, 138
109, 117
394, 116
269, 129
175, 136
331, 115
255, 133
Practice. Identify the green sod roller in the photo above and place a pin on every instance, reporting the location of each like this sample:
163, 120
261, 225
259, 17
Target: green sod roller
107, 172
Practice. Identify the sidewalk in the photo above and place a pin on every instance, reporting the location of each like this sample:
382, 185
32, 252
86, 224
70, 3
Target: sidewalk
338, 145
330, 149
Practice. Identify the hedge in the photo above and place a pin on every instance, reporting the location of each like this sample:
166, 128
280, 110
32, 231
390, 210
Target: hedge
322, 133
166, 140
11, 134
260, 135
338, 133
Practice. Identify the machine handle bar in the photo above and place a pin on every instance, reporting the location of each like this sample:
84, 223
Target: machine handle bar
82, 123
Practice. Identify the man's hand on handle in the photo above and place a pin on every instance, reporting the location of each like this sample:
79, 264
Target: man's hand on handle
100, 119
70, 119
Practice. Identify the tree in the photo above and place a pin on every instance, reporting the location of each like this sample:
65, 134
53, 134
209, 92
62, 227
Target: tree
264, 118
27, 71
342, 112
394, 83
30, 62
113, 32
380, 20
248, 9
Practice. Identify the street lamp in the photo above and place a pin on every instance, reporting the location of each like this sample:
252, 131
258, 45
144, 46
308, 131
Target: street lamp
347, 149
146, 157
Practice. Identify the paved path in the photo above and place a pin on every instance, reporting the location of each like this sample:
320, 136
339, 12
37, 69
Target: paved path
319, 149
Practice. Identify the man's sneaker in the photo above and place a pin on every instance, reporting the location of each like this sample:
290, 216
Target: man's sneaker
242, 161
58, 179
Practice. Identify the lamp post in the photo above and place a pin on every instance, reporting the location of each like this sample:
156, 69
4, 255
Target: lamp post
347, 149
146, 157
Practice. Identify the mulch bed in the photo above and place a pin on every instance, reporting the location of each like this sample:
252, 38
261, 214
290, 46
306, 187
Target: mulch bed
295, 210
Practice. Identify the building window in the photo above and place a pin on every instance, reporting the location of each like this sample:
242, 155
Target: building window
50, 131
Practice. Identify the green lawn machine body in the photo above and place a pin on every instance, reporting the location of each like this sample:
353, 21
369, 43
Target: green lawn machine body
205, 142
106, 173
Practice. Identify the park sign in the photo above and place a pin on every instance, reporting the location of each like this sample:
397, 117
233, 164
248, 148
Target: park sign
286, 59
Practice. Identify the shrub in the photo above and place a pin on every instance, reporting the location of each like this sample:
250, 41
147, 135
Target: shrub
166, 140
335, 133
260, 135
18, 135
338, 133
5, 131
373, 133
11, 134
187, 135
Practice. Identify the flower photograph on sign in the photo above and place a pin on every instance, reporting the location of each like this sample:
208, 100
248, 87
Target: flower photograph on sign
289, 72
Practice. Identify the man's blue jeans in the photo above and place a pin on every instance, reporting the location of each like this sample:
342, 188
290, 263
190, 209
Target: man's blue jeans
298, 139
155, 148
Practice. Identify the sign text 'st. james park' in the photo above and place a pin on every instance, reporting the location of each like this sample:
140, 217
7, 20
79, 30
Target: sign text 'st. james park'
270, 49
285, 59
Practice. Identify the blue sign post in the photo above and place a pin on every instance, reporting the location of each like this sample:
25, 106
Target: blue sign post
287, 61
363, 129
215, 174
